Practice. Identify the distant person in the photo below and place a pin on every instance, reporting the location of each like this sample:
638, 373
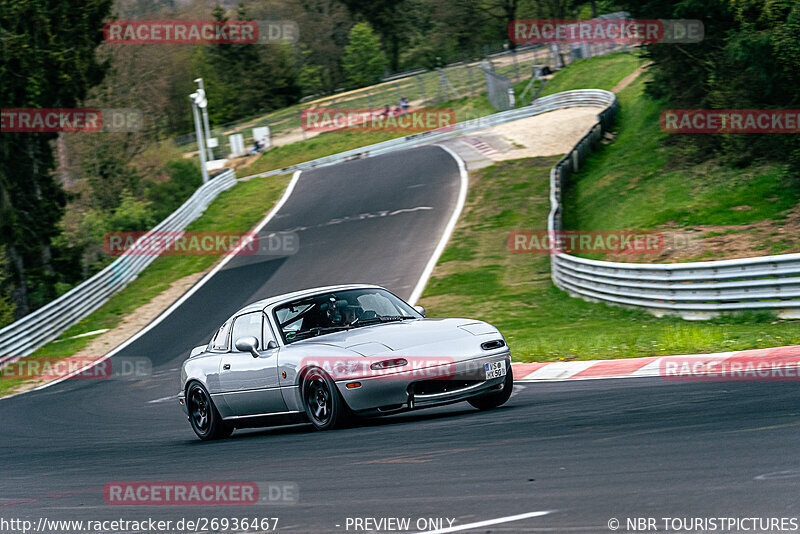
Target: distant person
404, 105
257, 147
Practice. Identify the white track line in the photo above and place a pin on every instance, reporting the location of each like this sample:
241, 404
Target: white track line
486, 523
186, 295
451, 224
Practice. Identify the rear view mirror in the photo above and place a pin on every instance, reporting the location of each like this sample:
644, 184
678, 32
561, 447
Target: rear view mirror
420, 310
247, 344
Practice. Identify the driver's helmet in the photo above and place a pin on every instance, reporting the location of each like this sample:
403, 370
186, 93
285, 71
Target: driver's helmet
351, 313
333, 311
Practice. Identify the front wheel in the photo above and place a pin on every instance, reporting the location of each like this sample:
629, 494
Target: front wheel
324, 405
203, 415
493, 400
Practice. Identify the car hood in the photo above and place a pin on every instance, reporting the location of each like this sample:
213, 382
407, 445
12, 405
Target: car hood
424, 336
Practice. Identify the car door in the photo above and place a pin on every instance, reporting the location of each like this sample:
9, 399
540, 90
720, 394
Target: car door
251, 384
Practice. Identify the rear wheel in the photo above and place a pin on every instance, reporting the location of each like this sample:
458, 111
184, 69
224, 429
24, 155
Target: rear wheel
498, 398
203, 415
324, 405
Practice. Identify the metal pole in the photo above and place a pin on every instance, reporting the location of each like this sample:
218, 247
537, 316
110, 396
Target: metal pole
205, 123
200, 142
516, 65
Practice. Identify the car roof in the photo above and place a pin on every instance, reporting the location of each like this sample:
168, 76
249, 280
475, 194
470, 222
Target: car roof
265, 303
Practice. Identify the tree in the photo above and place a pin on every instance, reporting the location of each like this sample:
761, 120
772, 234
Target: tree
391, 19
6, 306
749, 59
47, 61
364, 61
244, 79
324, 27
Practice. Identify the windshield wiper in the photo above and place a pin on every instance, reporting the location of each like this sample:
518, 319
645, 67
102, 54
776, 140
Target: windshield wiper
317, 330
381, 319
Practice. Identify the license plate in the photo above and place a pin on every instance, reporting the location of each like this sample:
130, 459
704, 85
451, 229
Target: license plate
495, 369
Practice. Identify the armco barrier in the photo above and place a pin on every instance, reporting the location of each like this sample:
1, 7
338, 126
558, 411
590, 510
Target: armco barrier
48, 322
697, 290
566, 99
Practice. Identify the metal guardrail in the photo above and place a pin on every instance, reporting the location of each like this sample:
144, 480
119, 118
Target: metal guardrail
566, 99
48, 322
697, 290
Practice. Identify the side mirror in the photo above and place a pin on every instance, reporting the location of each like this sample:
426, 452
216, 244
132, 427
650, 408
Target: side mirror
272, 344
197, 350
420, 310
247, 344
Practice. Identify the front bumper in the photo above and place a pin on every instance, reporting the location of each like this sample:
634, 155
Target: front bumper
431, 386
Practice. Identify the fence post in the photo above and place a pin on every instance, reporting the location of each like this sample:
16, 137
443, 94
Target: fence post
421, 81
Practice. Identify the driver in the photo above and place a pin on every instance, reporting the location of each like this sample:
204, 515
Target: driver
351, 313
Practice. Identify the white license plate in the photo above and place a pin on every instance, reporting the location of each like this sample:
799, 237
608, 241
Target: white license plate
495, 369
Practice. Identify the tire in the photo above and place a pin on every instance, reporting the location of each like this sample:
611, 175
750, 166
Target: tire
493, 400
322, 401
203, 415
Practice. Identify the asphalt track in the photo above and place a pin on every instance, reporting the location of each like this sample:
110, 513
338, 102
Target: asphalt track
584, 451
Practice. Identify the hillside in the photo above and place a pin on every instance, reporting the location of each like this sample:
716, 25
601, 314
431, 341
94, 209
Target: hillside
706, 210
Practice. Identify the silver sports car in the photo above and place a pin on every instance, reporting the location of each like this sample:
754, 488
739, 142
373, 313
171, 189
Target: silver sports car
328, 354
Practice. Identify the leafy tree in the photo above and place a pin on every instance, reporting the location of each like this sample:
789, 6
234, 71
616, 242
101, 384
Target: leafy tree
166, 197
749, 59
310, 75
391, 20
6, 306
244, 79
364, 60
47, 61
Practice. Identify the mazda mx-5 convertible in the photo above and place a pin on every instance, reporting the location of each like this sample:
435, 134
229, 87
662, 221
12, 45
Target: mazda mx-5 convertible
330, 354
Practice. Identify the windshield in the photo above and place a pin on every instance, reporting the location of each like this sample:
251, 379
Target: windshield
339, 310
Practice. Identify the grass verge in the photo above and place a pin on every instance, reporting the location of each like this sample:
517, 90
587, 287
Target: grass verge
602, 72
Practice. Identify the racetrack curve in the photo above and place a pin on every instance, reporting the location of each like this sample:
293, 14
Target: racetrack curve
585, 451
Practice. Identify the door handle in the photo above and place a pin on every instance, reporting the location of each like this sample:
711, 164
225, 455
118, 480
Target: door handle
226, 366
